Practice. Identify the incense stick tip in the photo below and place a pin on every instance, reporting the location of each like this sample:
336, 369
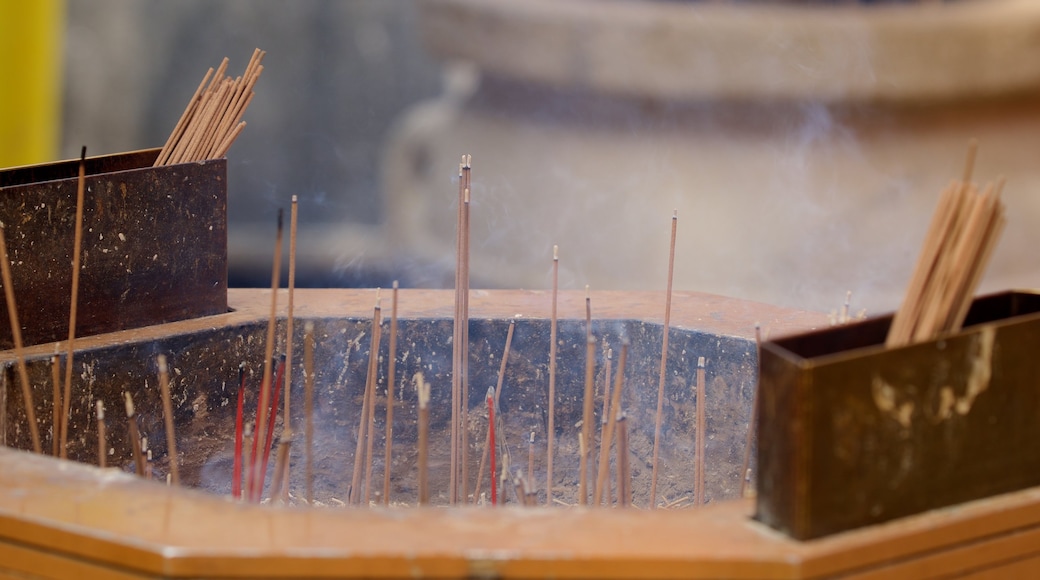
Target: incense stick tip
160, 361
675, 214
83, 154
700, 362
129, 405
395, 285
295, 199
490, 394
556, 253
100, 411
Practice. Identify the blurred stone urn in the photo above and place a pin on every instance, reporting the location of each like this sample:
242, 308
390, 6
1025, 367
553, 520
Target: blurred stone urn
804, 146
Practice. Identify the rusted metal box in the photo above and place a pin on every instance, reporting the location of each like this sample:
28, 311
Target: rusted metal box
851, 433
154, 244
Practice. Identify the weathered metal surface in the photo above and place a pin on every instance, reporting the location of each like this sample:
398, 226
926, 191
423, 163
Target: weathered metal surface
154, 244
851, 433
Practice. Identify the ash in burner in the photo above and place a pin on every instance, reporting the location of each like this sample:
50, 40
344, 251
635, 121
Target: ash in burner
204, 373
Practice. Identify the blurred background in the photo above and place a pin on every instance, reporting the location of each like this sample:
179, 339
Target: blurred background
804, 144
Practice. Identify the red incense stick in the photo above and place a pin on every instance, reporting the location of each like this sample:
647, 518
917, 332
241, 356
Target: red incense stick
269, 436
236, 478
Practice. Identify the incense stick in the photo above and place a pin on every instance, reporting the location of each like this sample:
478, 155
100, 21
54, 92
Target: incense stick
745, 472
211, 120
464, 428
171, 437
608, 436
370, 388
308, 408
960, 239
530, 463
102, 446
178, 129
664, 362
76, 247
604, 443
287, 430
586, 418
272, 415
16, 334
279, 483
490, 398
56, 403
366, 402
236, 476
551, 432
702, 403
423, 389
498, 395
247, 441
135, 435
624, 475
265, 384
456, 349
391, 378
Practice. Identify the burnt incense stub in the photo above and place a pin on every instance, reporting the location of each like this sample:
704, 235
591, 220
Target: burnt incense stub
851, 433
154, 244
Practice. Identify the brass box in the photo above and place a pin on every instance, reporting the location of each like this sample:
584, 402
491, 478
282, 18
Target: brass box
851, 433
154, 244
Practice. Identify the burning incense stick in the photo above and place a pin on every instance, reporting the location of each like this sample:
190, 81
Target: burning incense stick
423, 389
624, 477
263, 402
308, 407
608, 435
664, 362
366, 403
588, 313
551, 432
16, 333
745, 472
586, 418
171, 437
491, 437
56, 403
287, 431
464, 427
236, 477
102, 446
370, 390
604, 443
76, 247
702, 448
457, 351
135, 435
498, 395
391, 378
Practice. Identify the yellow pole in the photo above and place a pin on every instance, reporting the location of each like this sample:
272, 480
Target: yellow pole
31, 33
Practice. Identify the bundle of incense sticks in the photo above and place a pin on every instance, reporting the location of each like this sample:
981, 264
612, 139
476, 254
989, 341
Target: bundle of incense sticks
213, 118
960, 240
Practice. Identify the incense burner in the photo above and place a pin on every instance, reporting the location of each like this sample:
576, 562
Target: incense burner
62, 519
205, 356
